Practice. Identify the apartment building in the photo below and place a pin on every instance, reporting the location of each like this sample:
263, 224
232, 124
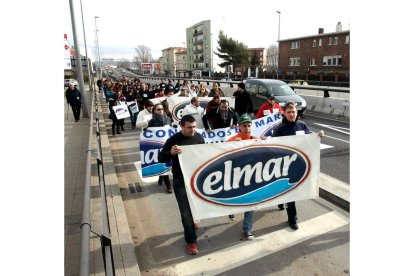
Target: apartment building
322, 55
173, 61
199, 48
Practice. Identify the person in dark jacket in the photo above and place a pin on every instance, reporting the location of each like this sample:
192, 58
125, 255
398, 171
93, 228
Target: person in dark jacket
291, 126
113, 101
243, 102
73, 97
170, 151
159, 119
220, 117
145, 94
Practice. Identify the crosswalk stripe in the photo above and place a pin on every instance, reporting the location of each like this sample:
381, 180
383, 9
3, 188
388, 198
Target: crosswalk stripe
245, 252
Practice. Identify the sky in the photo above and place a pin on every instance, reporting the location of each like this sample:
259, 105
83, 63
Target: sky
125, 24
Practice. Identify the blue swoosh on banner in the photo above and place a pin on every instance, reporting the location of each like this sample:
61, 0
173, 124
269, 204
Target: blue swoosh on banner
155, 169
259, 195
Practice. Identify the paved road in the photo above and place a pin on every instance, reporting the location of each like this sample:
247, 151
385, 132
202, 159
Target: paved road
319, 247
336, 143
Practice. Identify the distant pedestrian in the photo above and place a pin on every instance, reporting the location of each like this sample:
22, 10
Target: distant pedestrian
74, 99
243, 102
159, 119
170, 151
113, 101
216, 90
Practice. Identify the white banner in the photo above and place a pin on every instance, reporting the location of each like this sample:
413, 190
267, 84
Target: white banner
234, 177
121, 111
152, 140
133, 106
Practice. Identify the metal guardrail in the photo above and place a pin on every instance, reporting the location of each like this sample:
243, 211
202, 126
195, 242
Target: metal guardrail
86, 228
325, 89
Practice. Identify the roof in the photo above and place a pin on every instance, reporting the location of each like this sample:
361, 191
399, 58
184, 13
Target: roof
316, 35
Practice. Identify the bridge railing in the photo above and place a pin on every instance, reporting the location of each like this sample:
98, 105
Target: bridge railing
86, 228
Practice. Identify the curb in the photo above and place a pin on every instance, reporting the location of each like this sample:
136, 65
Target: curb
334, 191
125, 260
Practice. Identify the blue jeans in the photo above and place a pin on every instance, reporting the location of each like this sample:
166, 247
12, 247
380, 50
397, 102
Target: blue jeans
248, 221
133, 117
190, 235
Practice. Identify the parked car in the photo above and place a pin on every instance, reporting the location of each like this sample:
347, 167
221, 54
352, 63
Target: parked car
67, 81
261, 89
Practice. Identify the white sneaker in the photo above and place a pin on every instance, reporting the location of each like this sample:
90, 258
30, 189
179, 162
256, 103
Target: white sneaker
250, 235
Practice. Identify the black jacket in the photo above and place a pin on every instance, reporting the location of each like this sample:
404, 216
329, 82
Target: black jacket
213, 120
180, 140
287, 128
73, 97
243, 102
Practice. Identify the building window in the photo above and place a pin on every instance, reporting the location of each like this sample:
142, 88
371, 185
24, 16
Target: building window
312, 62
330, 41
335, 40
294, 45
347, 39
332, 60
294, 61
320, 42
314, 43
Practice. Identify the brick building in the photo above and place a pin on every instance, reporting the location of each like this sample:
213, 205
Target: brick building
324, 56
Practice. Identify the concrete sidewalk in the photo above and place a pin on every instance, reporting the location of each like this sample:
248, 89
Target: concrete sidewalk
76, 146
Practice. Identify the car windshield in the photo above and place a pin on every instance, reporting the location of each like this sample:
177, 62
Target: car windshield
280, 90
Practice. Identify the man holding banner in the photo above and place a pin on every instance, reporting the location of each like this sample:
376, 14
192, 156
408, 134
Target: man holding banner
291, 126
170, 151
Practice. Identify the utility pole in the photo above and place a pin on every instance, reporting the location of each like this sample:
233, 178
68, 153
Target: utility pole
85, 112
91, 88
97, 46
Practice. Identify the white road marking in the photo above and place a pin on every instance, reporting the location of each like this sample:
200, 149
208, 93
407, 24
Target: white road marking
338, 129
323, 146
327, 136
248, 251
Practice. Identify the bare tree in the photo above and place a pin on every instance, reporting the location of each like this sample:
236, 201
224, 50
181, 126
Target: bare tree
143, 54
272, 56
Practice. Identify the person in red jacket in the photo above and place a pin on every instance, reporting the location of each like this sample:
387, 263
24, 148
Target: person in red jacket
268, 107
215, 102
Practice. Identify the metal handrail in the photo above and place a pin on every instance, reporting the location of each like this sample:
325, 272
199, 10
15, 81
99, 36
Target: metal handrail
85, 226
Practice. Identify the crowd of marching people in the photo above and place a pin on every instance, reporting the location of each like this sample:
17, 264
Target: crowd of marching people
144, 114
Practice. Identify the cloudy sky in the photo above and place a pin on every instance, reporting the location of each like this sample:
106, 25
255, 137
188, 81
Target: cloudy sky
124, 24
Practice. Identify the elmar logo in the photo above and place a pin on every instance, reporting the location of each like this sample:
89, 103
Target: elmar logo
149, 151
250, 175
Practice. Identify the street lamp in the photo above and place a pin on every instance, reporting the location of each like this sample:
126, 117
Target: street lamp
211, 57
278, 47
97, 46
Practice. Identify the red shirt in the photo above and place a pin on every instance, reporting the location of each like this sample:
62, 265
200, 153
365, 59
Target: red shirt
267, 106
241, 136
